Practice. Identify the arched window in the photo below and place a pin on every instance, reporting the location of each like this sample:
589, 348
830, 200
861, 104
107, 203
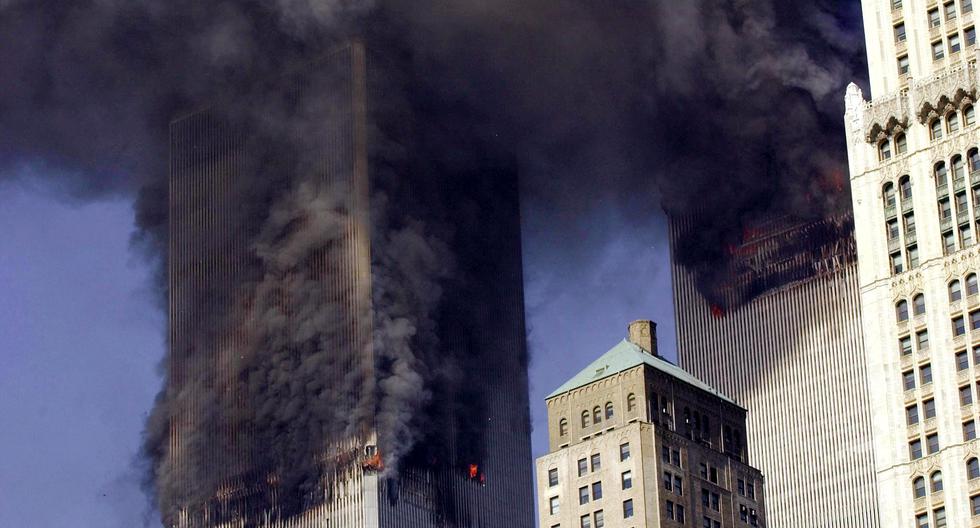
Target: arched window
936, 482
902, 311
585, 419
959, 168
939, 173
919, 487
562, 427
972, 469
631, 402
888, 192
974, 158
969, 116
901, 144
884, 150
936, 128
609, 410
919, 304
905, 188
971, 284
955, 293
953, 122
596, 415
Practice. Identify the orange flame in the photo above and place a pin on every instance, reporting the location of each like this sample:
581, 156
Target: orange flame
474, 471
373, 463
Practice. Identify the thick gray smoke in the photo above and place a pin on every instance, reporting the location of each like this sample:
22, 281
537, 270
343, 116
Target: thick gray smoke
727, 106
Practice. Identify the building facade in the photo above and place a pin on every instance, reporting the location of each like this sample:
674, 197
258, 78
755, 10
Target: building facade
913, 160
634, 441
785, 339
342, 118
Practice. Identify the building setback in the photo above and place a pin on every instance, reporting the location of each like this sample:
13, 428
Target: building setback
480, 475
634, 441
915, 170
785, 340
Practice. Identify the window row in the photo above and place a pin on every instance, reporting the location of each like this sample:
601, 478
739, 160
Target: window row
902, 308
595, 416
932, 446
671, 456
950, 123
938, 515
954, 43
673, 483
956, 291
595, 462
748, 515
948, 12
921, 342
925, 377
935, 484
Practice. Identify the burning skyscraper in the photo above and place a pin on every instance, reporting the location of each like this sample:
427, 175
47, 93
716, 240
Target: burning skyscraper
346, 310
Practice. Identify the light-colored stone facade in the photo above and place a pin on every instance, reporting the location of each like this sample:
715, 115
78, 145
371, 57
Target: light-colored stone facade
915, 183
666, 450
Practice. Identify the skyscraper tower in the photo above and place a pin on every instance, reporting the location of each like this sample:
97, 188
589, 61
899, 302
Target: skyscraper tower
777, 327
914, 164
346, 324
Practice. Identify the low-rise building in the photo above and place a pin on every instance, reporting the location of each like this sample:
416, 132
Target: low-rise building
636, 442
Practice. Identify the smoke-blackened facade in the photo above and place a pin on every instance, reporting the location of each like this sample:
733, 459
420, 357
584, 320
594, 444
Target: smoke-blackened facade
346, 311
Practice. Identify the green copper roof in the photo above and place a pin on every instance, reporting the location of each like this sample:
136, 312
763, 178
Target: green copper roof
627, 355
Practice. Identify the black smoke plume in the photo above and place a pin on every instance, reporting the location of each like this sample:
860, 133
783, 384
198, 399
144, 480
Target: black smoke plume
723, 111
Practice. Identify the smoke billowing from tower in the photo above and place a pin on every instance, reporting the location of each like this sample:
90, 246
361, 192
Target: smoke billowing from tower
722, 106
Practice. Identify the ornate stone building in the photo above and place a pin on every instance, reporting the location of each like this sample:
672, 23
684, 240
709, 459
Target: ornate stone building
915, 169
634, 441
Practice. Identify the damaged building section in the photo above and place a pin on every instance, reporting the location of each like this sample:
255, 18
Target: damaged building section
346, 311
768, 255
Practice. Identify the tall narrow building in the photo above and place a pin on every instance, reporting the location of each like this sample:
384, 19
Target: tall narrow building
346, 326
636, 442
915, 169
778, 328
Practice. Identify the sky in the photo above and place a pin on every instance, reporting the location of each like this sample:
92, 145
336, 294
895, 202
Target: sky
81, 339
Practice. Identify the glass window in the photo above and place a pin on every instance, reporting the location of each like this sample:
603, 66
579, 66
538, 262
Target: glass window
925, 374
884, 150
897, 264
751, 492
630, 402
675, 457
915, 449
966, 5
908, 380
919, 304
939, 173
975, 320
903, 65
680, 514
962, 360
912, 414
969, 430
585, 419
905, 188
596, 415
896, 4
609, 410
940, 515
934, 20
959, 327
888, 193
627, 508
669, 509
936, 126
583, 495
932, 443
901, 144
596, 462
624, 451
596, 490
599, 519
971, 284
970, 36
627, 480
585, 521
902, 311
950, 8
919, 487
929, 408
913, 252
955, 293
969, 117
553, 505
972, 469
954, 44
668, 481
583, 467
952, 118
900, 32
976, 355
966, 395
562, 427
936, 482
678, 485
921, 520
938, 52
922, 338
552, 477
959, 167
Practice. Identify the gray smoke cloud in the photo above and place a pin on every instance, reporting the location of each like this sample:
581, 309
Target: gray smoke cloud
726, 106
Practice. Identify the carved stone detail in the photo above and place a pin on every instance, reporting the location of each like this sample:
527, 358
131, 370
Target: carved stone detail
907, 284
948, 89
960, 263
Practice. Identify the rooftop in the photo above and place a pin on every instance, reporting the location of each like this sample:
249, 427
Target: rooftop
627, 355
